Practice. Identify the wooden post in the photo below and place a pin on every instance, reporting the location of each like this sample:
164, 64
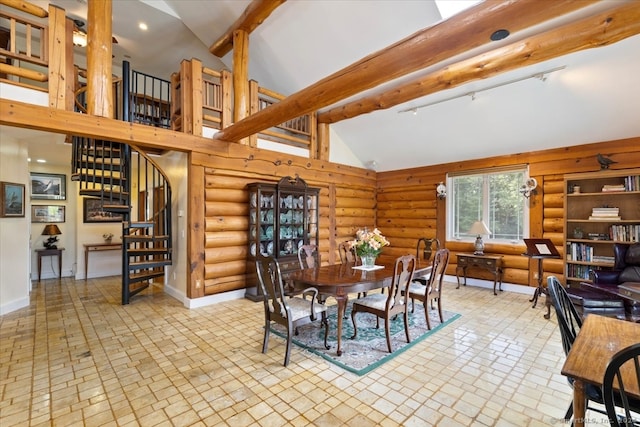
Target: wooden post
196, 97
60, 55
99, 69
254, 105
322, 152
240, 76
227, 113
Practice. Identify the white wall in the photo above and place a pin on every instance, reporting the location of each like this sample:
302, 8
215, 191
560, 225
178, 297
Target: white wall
14, 241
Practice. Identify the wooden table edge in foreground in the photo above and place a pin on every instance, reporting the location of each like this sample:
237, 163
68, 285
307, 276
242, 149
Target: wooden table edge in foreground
598, 340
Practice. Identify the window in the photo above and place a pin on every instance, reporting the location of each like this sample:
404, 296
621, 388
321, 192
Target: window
492, 197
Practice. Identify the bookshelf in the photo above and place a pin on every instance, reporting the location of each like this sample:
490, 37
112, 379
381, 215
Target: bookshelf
601, 208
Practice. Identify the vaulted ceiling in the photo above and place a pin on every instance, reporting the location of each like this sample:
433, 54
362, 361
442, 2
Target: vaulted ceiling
594, 96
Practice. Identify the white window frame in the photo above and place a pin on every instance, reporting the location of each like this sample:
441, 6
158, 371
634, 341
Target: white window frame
484, 173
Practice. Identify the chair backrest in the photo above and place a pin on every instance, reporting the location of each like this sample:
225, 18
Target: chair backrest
398, 291
270, 280
308, 256
347, 253
438, 269
428, 247
569, 319
615, 384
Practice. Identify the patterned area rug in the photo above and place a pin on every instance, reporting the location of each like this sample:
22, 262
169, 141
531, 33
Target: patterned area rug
369, 350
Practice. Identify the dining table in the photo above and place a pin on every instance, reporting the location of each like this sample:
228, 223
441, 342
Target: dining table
340, 280
599, 339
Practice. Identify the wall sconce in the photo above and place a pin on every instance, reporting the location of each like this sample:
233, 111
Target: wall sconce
529, 187
441, 191
479, 228
52, 231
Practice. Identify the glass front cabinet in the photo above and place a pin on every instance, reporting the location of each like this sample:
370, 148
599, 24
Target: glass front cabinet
282, 218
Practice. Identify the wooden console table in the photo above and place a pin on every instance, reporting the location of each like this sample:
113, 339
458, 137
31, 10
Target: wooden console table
50, 252
492, 263
97, 247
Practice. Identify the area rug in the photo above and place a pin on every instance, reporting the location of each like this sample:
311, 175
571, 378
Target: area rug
369, 350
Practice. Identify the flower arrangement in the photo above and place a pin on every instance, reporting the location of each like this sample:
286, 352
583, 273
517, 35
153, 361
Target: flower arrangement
369, 243
107, 236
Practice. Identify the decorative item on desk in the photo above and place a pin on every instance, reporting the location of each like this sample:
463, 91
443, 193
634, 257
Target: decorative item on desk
107, 237
368, 245
529, 187
441, 191
479, 228
52, 231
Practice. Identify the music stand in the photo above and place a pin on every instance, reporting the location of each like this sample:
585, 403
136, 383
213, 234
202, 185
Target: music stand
540, 249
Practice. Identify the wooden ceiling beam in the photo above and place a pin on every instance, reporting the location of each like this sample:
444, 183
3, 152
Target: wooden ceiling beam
602, 29
459, 34
251, 18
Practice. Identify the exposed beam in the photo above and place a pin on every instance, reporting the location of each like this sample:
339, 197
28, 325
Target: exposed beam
27, 7
599, 30
253, 15
462, 32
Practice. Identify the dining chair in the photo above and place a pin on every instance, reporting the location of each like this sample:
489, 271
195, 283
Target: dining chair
391, 304
347, 253
308, 256
431, 289
427, 250
570, 322
290, 312
613, 399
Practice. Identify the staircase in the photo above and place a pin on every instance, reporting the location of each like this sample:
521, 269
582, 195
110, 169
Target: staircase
107, 171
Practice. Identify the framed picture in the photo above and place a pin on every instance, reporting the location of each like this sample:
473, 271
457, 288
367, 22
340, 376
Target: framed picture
12, 197
49, 186
47, 213
92, 212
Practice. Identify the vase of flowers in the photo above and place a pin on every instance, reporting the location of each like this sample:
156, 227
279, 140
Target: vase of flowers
107, 237
368, 245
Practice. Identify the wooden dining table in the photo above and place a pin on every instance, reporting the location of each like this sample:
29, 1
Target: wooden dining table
340, 280
599, 339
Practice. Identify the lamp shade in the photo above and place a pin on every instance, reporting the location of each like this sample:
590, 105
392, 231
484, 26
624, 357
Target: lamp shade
51, 230
479, 228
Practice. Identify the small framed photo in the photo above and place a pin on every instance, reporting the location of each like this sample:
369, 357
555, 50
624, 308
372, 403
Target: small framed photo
47, 213
48, 186
12, 197
92, 212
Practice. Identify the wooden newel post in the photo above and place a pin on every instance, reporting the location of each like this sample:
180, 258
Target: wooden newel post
99, 56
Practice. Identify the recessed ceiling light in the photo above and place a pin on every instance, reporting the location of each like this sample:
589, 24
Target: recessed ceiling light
143, 26
28, 159
41, 161
499, 35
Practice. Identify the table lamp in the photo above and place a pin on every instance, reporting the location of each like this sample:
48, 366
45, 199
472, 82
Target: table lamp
52, 231
480, 229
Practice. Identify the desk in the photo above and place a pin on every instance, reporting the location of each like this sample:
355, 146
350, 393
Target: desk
340, 280
97, 247
492, 263
50, 252
598, 340
541, 289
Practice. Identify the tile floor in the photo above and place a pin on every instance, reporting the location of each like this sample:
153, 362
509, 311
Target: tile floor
75, 356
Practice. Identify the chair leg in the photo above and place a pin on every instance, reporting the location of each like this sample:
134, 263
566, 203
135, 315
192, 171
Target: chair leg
406, 325
569, 413
426, 313
326, 329
440, 311
387, 333
265, 341
287, 353
353, 320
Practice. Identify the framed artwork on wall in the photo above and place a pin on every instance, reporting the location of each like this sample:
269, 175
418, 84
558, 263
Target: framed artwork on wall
48, 186
12, 197
92, 212
47, 213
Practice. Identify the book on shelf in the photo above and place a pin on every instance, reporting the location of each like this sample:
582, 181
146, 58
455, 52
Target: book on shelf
604, 218
613, 187
605, 213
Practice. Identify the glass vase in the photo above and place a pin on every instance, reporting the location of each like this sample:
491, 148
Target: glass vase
368, 260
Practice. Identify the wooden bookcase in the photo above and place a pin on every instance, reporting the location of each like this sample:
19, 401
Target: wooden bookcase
589, 235
282, 217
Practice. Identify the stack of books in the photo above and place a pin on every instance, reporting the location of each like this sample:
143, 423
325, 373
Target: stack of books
599, 236
613, 187
605, 214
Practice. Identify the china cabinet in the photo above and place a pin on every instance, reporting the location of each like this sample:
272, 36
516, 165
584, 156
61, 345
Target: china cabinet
282, 218
601, 208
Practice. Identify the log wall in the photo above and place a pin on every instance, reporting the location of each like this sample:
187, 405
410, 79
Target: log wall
408, 207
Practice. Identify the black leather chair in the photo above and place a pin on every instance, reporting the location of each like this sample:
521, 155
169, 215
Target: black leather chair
626, 269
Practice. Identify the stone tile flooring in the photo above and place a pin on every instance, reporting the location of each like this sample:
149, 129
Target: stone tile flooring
76, 356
